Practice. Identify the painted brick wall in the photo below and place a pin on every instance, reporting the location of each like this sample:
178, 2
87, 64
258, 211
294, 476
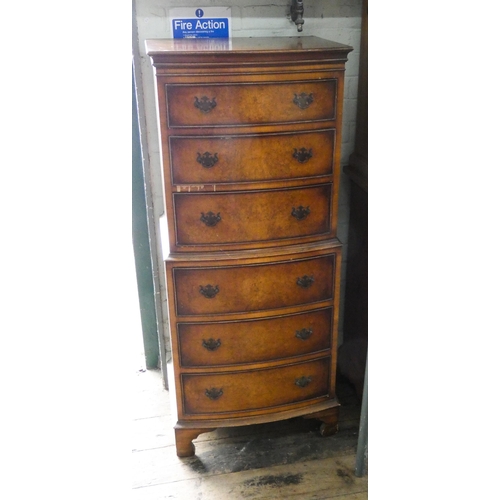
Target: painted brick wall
338, 20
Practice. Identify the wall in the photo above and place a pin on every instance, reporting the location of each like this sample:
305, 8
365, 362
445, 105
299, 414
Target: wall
338, 20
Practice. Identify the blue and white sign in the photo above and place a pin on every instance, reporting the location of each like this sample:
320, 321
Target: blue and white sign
209, 22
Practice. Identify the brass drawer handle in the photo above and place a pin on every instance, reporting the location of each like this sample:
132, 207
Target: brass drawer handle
214, 393
301, 212
305, 281
205, 105
303, 381
209, 291
304, 334
302, 155
211, 344
210, 219
303, 100
207, 160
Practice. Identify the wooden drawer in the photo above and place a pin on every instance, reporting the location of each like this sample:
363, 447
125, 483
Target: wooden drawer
250, 158
252, 390
251, 216
230, 343
236, 289
239, 104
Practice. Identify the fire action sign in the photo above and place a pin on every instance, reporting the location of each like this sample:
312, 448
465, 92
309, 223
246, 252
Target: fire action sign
209, 22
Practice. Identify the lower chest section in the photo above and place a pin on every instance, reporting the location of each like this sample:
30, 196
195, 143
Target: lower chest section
256, 336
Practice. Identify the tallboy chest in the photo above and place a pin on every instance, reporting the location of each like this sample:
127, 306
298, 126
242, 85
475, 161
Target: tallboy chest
250, 134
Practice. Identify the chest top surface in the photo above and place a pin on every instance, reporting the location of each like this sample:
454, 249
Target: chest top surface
277, 48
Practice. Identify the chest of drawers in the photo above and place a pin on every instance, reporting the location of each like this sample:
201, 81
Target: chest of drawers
250, 134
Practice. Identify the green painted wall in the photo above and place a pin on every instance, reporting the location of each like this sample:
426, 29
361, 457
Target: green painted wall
142, 249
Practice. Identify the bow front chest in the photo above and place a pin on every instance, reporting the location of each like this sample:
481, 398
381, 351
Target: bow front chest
250, 135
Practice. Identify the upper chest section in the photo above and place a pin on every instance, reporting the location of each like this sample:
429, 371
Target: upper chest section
247, 82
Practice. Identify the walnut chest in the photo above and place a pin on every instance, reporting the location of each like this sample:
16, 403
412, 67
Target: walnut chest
250, 135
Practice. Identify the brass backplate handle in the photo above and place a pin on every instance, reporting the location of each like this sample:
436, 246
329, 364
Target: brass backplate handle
302, 155
214, 393
210, 219
304, 334
303, 100
209, 291
305, 281
303, 381
211, 344
207, 160
300, 213
205, 105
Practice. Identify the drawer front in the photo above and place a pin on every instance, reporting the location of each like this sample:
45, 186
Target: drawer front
236, 289
253, 390
250, 158
247, 217
250, 103
229, 343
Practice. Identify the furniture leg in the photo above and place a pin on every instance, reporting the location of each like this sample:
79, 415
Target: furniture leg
329, 419
184, 438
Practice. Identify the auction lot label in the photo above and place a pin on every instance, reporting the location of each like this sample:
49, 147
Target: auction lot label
207, 22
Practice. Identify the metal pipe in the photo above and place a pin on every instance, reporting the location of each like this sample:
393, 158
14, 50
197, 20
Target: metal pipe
297, 13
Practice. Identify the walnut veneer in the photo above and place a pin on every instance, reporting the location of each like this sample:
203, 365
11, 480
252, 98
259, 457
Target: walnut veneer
250, 133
